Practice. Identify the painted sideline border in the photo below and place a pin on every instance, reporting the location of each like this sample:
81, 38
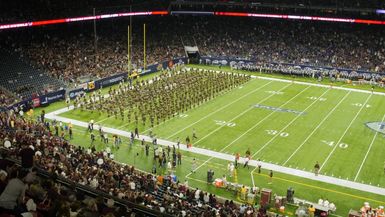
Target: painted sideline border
228, 157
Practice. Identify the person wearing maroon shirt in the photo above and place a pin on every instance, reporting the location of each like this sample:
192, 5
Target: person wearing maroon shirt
27, 154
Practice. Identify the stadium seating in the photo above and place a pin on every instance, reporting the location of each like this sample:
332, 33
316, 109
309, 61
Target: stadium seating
22, 79
71, 54
6, 98
110, 177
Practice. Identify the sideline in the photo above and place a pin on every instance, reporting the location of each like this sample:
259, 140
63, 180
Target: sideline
228, 157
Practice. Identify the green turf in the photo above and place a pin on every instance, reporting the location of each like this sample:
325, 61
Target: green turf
332, 131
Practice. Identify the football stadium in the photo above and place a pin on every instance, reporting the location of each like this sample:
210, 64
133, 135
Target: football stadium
192, 108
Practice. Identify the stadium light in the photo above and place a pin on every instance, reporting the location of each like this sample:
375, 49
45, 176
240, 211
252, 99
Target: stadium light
78, 19
296, 17
151, 13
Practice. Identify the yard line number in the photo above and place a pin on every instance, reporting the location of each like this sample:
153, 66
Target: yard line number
224, 123
332, 143
316, 98
275, 132
274, 92
360, 105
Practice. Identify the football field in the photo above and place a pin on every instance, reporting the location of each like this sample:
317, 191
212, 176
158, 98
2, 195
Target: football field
283, 123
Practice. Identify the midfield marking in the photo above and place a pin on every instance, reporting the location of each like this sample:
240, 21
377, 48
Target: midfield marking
220, 109
292, 121
367, 153
347, 129
318, 126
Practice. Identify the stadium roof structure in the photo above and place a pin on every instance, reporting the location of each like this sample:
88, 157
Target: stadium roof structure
308, 7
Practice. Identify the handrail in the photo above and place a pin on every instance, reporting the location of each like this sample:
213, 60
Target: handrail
90, 191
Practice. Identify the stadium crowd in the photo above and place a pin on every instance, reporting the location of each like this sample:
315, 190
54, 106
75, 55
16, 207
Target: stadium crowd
70, 54
96, 169
28, 194
6, 98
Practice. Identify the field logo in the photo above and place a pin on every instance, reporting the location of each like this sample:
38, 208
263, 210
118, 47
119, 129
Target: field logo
377, 126
279, 109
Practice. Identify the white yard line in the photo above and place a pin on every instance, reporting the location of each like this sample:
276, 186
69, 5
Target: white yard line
315, 129
347, 129
292, 121
220, 109
228, 157
124, 125
251, 128
261, 121
367, 153
240, 114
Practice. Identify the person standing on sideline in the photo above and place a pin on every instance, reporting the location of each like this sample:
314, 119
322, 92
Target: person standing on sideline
132, 137
147, 149
194, 135
92, 138
179, 156
70, 132
236, 159
136, 132
247, 158
178, 142
259, 165
248, 153
316, 168
193, 166
270, 177
187, 140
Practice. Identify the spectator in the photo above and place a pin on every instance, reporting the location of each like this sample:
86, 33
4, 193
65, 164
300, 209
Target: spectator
13, 193
27, 155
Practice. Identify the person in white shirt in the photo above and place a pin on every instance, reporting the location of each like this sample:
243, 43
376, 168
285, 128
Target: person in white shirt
326, 203
332, 207
132, 185
94, 183
206, 198
197, 192
320, 201
232, 169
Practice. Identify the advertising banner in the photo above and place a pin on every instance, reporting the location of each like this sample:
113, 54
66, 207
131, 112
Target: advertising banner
105, 82
76, 92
